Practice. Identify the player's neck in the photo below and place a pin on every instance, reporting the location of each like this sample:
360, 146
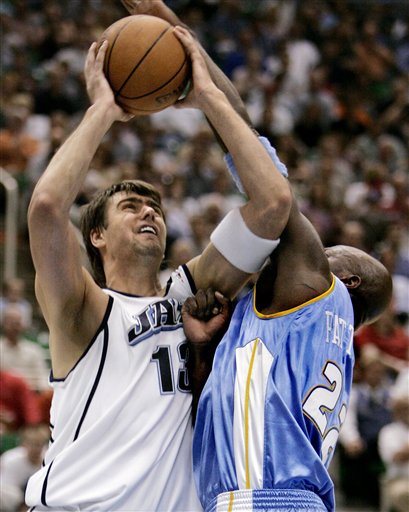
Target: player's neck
138, 280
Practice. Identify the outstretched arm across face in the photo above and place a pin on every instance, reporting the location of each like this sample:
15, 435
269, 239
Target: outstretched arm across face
300, 247
255, 169
266, 211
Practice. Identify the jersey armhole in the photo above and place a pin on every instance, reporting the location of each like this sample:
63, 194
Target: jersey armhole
100, 328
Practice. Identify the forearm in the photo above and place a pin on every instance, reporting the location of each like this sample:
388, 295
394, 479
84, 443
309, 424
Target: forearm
199, 367
66, 172
262, 182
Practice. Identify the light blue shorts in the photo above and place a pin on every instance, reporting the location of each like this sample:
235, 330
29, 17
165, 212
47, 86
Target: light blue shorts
266, 500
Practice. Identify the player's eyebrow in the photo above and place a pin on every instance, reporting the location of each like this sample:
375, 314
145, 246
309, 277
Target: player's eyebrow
130, 199
140, 201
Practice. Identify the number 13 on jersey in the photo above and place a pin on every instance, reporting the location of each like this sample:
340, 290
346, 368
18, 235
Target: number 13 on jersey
162, 356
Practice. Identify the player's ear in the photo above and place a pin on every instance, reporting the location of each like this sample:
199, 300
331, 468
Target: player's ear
352, 281
97, 238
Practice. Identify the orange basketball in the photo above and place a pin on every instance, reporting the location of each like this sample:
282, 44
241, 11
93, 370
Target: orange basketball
146, 65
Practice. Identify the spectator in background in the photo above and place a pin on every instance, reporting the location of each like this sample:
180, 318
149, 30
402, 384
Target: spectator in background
317, 109
197, 159
318, 209
59, 92
373, 60
353, 233
18, 404
18, 464
176, 209
394, 119
388, 335
397, 240
18, 354
374, 188
17, 147
14, 292
200, 230
369, 411
393, 445
394, 254
376, 145
252, 80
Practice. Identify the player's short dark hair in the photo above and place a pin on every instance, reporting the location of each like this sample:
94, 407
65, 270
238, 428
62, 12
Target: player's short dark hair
94, 217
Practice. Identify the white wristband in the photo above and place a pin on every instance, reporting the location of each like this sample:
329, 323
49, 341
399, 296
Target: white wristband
239, 245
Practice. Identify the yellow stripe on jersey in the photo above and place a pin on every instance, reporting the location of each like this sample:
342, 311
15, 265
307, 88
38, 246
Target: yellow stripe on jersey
288, 311
253, 364
231, 499
246, 412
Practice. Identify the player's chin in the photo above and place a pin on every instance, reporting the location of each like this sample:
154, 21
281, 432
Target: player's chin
151, 248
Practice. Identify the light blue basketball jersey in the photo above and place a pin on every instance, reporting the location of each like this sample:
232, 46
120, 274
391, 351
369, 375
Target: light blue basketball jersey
271, 410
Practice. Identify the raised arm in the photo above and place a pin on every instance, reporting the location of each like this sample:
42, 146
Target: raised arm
256, 169
71, 302
269, 199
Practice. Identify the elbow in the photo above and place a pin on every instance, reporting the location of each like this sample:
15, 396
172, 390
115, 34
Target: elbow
41, 209
275, 215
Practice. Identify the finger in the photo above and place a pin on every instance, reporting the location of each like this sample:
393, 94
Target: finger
101, 53
225, 305
190, 306
91, 53
192, 49
89, 61
201, 300
213, 308
128, 117
185, 37
184, 103
224, 301
128, 5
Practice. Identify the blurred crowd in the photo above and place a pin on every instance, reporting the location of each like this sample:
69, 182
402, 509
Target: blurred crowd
328, 82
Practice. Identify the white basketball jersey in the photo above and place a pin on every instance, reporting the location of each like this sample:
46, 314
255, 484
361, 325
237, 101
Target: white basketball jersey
121, 420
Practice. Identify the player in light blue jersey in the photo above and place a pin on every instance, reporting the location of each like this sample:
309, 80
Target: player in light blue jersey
270, 413
269, 416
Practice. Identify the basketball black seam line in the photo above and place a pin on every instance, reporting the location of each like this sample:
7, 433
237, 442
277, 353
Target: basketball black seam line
110, 53
154, 90
117, 93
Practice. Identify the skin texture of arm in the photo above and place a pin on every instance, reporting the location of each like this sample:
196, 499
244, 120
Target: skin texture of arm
269, 199
72, 304
268, 192
205, 320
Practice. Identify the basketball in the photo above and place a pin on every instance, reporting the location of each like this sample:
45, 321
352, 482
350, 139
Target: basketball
145, 64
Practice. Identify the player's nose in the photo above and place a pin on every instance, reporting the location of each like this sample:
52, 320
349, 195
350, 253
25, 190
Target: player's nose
148, 211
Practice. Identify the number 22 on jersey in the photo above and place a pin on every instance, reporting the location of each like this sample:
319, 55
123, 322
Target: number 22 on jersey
323, 400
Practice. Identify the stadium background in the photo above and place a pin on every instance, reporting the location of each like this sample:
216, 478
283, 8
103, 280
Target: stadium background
327, 81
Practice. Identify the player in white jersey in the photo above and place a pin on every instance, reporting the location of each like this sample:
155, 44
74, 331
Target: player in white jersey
121, 428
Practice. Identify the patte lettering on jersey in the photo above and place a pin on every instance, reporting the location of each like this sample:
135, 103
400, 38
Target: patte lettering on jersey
337, 327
